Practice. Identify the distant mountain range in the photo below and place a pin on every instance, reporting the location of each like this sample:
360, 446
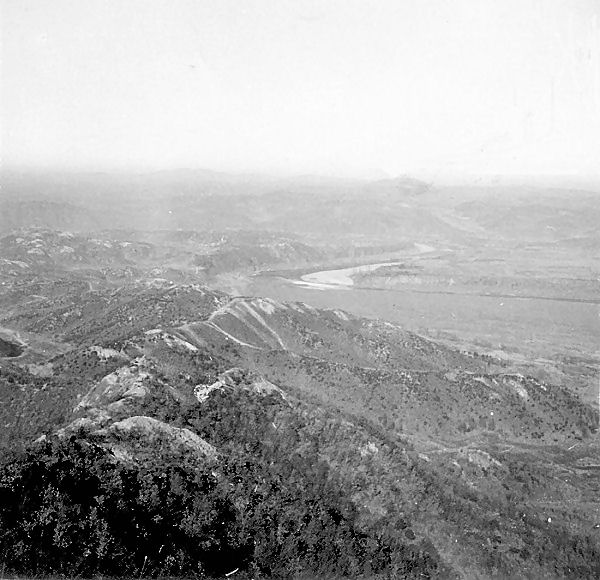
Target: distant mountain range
389, 208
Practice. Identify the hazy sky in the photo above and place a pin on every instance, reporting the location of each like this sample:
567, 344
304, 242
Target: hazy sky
348, 86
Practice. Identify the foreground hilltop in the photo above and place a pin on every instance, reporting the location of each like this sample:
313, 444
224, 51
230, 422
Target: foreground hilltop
188, 432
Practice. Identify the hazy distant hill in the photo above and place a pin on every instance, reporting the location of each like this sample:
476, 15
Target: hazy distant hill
198, 200
556, 215
206, 200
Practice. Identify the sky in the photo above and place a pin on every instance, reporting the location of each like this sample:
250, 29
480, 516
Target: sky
344, 87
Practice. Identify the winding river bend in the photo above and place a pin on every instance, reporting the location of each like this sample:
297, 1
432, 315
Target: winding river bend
328, 279
539, 324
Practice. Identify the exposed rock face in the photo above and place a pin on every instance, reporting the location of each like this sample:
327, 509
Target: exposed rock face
120, 391
117, 411
238, 378
150, 432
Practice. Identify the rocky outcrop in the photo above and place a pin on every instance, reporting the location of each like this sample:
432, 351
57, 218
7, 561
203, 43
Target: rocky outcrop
238, 378
146, 432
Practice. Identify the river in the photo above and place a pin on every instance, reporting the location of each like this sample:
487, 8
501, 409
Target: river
529, 323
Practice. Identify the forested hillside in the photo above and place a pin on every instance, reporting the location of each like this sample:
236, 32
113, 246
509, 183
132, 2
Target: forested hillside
186, 433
